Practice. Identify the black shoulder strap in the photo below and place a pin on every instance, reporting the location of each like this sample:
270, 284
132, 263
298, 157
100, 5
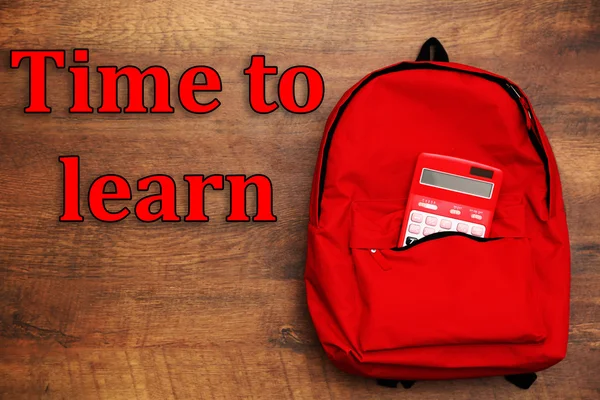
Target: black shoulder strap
522, 381
433, 50
393, 383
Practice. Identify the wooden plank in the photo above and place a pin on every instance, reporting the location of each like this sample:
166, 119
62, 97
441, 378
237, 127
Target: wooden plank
241, 371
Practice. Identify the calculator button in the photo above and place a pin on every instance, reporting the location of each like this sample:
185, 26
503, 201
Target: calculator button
477, 231
414, 228
431, 221
455, 212
428, 231
446, 224
476, 216
416, 217
464, 228
410, 240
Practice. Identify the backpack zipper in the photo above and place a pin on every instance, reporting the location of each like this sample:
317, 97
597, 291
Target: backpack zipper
380, 260
532, 132
439, 235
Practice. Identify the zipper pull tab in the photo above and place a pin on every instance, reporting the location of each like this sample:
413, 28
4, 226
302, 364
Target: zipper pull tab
513, 89
528, 112
380, 259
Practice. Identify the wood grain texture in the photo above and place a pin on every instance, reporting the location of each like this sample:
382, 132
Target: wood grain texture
218, 310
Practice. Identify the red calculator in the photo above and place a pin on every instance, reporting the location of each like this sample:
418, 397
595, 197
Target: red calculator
450, 194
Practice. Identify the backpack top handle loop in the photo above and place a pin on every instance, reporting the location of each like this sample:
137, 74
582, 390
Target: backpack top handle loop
433, 50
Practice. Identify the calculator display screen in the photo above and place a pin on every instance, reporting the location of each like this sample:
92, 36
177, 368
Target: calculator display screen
456, 183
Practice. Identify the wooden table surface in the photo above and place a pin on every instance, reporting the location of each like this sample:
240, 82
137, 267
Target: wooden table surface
218, 310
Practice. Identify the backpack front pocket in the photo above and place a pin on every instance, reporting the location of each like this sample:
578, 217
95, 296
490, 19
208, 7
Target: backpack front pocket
449, 290
446, 288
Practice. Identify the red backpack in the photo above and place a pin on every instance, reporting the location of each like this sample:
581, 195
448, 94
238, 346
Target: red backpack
452, 306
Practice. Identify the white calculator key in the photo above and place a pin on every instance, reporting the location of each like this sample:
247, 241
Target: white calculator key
428, 231
464, 228
431, 221
414, 228
416, 217
477, 231
445, 224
